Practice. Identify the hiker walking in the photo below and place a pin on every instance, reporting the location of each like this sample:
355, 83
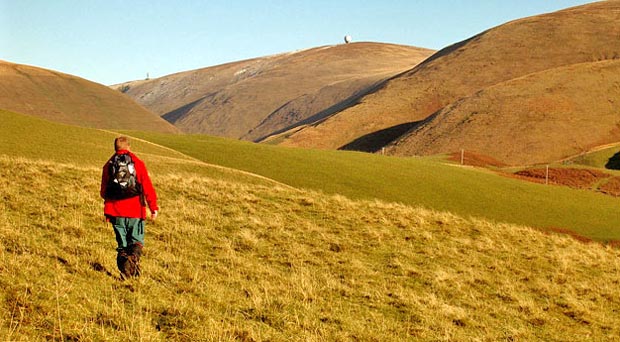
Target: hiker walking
126, 188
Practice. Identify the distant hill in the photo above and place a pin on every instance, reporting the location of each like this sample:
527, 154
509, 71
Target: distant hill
254, 98
72, 100
516, 49
541, 117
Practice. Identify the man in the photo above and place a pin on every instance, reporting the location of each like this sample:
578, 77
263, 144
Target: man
126, 188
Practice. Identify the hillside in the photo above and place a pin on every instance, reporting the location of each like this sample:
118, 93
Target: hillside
426, 182
538, 118
531, 45
254, 98
237, 257
32, 138
607, 157
72, 100
229, 262
422, 182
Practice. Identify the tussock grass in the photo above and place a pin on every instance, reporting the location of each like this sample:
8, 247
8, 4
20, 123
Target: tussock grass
229, 261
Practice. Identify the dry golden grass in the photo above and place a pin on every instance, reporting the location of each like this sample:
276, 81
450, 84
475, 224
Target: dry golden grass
234, 262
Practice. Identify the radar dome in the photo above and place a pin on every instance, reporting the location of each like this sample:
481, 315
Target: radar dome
347, 39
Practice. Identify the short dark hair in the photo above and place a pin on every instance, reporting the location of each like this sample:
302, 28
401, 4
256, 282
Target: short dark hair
121, 143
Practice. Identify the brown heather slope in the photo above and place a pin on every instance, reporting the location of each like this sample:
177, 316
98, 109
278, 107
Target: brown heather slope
254, 98
72, 100
582, 34
538, 118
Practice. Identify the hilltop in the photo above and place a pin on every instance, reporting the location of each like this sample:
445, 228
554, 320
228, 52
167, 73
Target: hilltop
458, 74
71, 100
255, 98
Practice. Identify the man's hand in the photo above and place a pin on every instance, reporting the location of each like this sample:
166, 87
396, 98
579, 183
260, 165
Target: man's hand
154, 214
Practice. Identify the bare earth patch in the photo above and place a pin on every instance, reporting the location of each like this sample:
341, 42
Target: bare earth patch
611, 187
572, 177
575, 178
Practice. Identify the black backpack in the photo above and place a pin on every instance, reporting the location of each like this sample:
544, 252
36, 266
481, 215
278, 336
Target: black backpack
122, 181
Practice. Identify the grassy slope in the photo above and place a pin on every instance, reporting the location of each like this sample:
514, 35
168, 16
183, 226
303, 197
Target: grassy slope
600, 158
252, 98
72, 100
538, 118
414, 181
231, 262
235, 258
34, 138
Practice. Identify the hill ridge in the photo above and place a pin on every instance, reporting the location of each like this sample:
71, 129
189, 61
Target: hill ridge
234, 99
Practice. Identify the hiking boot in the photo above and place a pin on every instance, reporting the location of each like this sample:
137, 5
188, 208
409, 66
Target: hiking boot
128, 261
125, 265
135, 249
135, 252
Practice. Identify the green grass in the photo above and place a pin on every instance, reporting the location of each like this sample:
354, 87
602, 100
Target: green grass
228, 261
600, 159
422, 182
234, 257
33, 138
413, 181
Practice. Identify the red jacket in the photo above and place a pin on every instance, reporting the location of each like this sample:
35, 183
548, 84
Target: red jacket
129, 207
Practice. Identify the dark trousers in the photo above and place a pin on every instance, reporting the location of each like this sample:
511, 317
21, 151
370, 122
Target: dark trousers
129, 234
128, 231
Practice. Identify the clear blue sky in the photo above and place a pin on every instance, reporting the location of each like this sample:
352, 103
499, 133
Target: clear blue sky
112, 41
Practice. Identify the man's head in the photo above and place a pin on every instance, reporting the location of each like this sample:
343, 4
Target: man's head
121, 143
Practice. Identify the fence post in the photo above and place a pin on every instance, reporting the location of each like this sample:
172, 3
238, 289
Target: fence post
547, 176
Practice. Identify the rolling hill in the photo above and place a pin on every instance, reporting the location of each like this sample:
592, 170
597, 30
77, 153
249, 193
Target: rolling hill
537, 118
516, 49
231, 262
33, 138
426, 182
239, 258
256, 242
72, 100
254, 98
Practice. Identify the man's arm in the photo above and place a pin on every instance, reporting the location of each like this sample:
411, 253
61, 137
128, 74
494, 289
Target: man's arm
104, 180
148, 190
